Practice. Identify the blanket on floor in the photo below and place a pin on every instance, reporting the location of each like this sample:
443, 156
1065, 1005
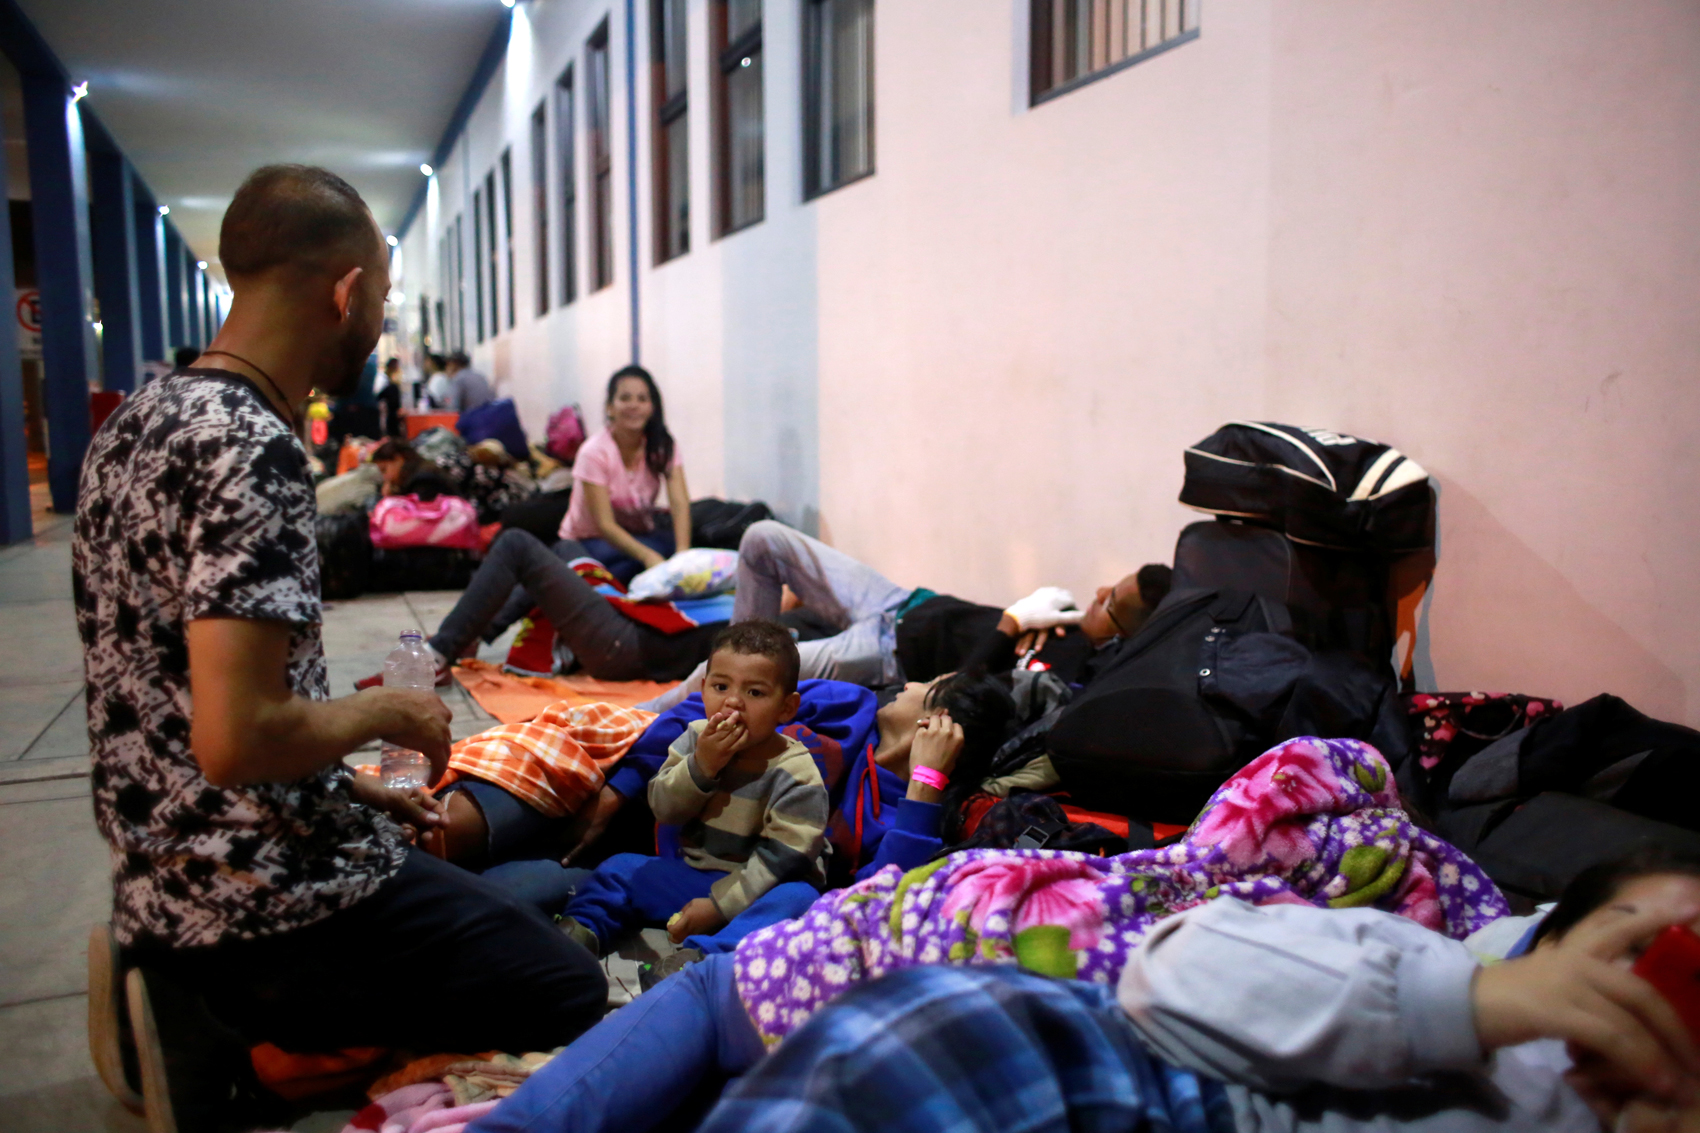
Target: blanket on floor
557, 761
514, 700
1312, 821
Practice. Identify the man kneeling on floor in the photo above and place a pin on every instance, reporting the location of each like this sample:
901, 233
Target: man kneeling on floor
254, 876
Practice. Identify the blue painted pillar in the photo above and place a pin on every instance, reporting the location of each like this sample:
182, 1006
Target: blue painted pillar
192, 304
150, 276
176, 320
115, 269
15, 522
64, 274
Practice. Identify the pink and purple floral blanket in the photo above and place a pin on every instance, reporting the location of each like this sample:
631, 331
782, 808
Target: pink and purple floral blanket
1311, 821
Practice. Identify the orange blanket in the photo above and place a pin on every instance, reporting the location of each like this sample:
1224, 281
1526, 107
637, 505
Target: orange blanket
555, 762
514, 700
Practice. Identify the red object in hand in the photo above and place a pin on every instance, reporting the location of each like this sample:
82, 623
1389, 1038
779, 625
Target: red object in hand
1672, 965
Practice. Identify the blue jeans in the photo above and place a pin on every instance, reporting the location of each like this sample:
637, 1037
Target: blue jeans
621, 565
632, 1071
783, 902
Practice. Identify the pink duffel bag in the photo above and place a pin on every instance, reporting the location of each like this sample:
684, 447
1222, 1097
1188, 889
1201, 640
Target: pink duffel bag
407, 521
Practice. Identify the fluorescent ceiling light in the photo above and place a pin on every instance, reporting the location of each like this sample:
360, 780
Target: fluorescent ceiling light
392, 241
80, 91
425, 169
507, 3
165, 210
202, 264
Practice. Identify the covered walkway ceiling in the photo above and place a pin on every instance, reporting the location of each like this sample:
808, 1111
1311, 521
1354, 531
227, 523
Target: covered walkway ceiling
199, 92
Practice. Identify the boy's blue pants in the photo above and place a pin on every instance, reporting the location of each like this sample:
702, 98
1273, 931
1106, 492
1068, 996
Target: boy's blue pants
630, 891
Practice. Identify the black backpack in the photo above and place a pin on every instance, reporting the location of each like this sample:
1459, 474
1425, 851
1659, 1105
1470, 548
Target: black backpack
1211, 681
1031, 821
1320, 487
1142, 739
720, 523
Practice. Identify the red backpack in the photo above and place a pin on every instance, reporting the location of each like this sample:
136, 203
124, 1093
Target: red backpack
565, 434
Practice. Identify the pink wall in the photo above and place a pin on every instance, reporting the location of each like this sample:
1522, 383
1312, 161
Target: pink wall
1469, 229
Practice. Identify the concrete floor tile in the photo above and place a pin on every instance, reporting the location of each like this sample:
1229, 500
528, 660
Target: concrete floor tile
44, 575
47, 1083
55, 864
39, 644
27, 711
68, 735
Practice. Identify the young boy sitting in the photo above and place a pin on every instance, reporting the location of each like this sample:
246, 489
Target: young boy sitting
749, 801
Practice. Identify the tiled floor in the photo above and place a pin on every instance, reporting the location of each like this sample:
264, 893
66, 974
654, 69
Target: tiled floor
53, 872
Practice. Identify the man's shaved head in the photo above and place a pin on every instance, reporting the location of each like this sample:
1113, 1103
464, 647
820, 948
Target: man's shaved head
296, 215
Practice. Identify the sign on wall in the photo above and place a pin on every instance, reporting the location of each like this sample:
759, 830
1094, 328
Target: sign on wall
29, 323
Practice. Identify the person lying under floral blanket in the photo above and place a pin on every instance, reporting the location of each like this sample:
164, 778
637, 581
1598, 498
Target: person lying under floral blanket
1312, 822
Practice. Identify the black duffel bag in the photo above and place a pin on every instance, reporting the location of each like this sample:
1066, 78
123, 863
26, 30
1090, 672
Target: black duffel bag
345, 555
1319, 487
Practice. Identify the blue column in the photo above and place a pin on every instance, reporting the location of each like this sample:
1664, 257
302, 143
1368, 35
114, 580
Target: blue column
176, 319
59, 192
150, 276
15, 522
115, 269
192, 301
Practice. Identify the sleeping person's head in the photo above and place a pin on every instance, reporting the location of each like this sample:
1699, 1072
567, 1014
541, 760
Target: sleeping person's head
752, 677
634, 407
1119, 610
981, 703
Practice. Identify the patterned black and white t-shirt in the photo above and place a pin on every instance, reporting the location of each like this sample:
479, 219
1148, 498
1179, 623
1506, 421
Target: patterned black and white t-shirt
195, 503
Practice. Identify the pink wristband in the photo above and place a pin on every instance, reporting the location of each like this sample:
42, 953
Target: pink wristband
930, 777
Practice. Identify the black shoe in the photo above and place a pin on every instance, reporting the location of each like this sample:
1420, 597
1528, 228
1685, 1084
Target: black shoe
653, 972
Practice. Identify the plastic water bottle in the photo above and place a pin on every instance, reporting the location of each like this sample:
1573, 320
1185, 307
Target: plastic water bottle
409, 665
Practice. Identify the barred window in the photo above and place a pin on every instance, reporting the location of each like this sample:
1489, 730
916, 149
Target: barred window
601, 159
672, 130
566, 157
1077, 41
838, 93
540, 204
735, 29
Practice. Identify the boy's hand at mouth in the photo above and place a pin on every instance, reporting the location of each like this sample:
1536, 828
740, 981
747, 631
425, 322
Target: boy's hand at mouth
725, 735
697, 918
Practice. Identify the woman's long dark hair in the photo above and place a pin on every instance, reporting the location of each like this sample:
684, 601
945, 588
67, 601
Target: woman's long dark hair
657, 441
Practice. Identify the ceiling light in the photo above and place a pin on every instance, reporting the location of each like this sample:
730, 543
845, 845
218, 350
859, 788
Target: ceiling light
745, 61
202, 264
79, 91
392, 241
425, 169
165, 210
507, 3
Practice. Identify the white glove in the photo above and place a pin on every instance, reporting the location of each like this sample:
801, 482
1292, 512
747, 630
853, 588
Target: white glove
1046, 607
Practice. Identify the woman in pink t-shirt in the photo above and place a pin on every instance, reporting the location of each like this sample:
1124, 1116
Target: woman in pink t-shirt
617, 475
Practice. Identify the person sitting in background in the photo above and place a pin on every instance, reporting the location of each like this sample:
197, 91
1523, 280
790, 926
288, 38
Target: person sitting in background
749, 801
617, 475
1227, 1017
467, 388
406, 473
888, 633
437, 385
388, 393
